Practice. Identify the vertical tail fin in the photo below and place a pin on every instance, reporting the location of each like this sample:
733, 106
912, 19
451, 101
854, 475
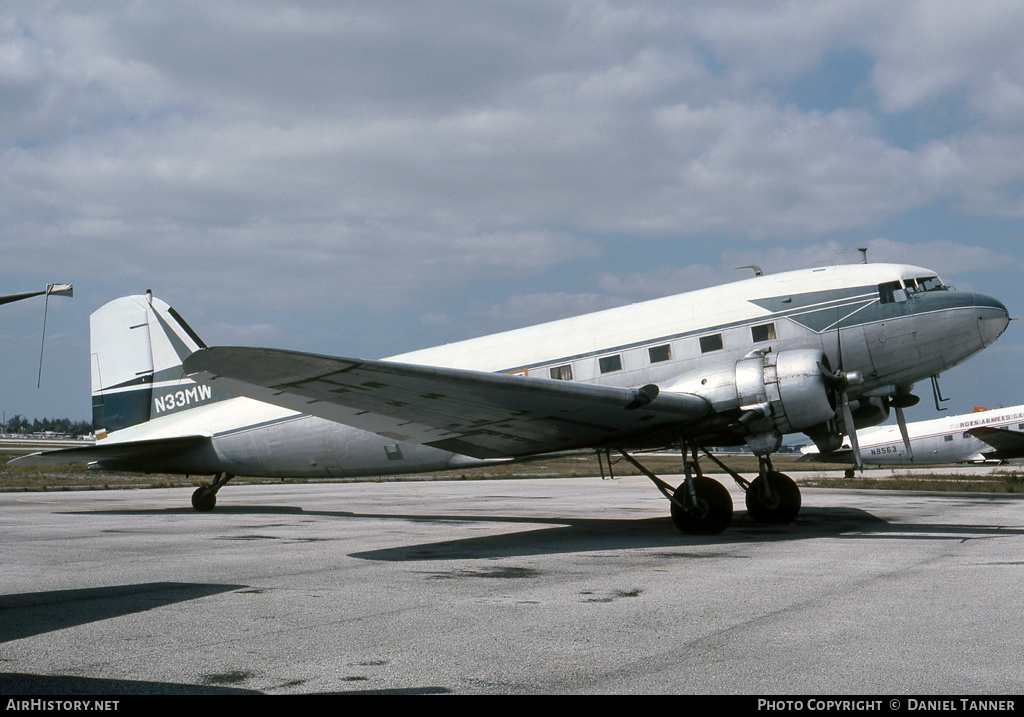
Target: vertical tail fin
137, 346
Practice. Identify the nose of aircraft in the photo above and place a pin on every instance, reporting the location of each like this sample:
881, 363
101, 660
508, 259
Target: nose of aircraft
993, 318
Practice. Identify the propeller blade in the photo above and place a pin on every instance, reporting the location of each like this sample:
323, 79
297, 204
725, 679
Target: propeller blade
902, 421
826, 373
851, 430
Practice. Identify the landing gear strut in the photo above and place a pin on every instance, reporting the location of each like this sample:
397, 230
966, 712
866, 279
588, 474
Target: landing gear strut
772, 497
703, 506
204, 499
699, 505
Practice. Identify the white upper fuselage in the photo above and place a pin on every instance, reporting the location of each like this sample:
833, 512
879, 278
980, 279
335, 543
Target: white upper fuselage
803, 309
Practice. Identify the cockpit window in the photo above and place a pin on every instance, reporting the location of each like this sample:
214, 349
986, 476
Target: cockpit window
887, 291
892, 291
930, 283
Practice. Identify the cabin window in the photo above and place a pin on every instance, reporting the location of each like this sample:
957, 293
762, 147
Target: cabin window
610, 363
948, 439
660, 353
711, 343
764, 332
562, 373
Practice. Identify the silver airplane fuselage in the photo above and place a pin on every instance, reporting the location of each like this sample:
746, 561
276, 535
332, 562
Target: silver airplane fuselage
895, 325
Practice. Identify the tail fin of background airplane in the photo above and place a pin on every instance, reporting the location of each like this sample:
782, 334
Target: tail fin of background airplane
137, 345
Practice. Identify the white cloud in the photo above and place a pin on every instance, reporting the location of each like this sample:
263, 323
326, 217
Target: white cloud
927, 48
232, 118
445, 157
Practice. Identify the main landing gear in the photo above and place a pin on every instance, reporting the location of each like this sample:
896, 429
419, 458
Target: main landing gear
772, 497
703, 506
204, 499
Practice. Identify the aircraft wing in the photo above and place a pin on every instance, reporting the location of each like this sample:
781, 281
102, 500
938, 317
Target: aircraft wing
131, 454
474, 413
1006, 443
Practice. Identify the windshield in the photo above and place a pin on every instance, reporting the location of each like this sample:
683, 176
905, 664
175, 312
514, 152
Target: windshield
893, 291
930, 283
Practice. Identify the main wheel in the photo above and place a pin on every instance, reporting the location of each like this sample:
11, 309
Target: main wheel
712, 512
204, 499
780, 506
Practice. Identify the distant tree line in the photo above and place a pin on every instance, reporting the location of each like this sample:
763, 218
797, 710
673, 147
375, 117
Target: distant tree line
65, 426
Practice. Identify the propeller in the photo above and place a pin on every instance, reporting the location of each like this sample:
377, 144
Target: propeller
841, 381
899, 402
902, 421
845, 380
851, 431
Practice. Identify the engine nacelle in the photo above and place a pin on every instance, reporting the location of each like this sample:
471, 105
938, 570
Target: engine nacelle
784, 392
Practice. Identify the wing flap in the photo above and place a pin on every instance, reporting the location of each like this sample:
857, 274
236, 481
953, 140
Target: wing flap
480, 414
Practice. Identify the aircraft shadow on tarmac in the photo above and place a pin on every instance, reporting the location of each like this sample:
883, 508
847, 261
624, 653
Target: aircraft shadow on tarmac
28, 614
557, 535
17, 683
597, 535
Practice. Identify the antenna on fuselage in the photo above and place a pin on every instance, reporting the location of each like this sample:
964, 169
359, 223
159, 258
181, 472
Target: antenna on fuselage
755, 267
863, 253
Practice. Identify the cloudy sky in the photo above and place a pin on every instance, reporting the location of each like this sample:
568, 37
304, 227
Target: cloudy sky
366, 178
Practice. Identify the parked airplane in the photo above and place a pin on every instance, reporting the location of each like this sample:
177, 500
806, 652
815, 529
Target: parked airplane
984, 435
810, 351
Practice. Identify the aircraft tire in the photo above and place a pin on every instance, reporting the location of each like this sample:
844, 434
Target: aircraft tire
204, 500
784, 504
713, 511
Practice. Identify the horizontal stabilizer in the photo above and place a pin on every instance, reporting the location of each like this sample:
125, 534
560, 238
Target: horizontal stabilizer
1006, 442
844, 455
128, 454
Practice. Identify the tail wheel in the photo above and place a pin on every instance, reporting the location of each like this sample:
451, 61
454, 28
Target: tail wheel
204, 499
709, 514
780, 503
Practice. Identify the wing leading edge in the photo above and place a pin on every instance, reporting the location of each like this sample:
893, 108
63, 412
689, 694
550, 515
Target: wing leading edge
474, 413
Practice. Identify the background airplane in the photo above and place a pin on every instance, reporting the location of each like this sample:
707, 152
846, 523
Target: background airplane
817, 351
984, 435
